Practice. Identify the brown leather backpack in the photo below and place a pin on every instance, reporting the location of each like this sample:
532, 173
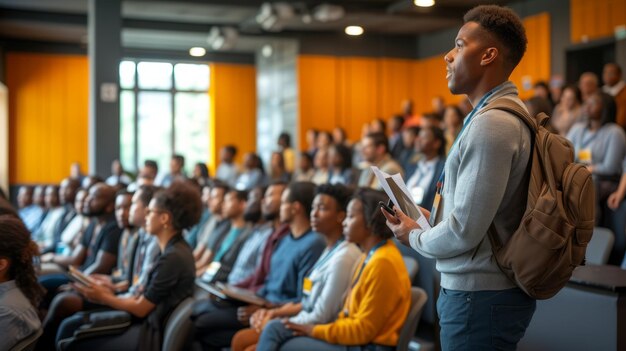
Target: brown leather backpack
552, 237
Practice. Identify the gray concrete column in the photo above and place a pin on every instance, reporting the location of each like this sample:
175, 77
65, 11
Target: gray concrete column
104, 29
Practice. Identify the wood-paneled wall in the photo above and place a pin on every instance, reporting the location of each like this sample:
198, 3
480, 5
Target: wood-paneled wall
595, 19
48, 109
232, 118
350, 91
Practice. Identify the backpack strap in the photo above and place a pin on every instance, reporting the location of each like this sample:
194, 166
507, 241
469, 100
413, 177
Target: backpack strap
508, 105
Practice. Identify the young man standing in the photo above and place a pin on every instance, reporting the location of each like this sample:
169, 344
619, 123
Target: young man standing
485, 182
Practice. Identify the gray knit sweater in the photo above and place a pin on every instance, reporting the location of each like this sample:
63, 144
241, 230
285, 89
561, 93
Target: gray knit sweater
486, 181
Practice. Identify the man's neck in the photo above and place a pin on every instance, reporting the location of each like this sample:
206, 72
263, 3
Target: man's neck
299, 226
379, 160
481, 89
430, 156
238, 222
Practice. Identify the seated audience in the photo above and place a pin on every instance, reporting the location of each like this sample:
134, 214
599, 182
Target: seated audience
305, 170
395, 136
423, 182
340, 160
70, 237
118, 175
170, 282
44, 236
601, 145
97, 251
177, 172
568, 112
327, 282
234, 209
321, 175
616, 87
452, 123
251, 252
289, 155
200, 174
253, 173
227, 171
191, 235
19, 291
410, 154
215, 323
212, 234
372, 314
278, 170
375, 150
29, 212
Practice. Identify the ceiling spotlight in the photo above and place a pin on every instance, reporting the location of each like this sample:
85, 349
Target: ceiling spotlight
354, 30
424, 3
267, 50
197, 52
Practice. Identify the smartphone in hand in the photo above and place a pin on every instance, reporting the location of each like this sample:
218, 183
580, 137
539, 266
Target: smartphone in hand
387, 207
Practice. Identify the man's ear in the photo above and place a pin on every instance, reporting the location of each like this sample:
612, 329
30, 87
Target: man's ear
489, 56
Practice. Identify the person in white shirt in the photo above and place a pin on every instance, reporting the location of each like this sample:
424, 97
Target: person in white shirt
423, 182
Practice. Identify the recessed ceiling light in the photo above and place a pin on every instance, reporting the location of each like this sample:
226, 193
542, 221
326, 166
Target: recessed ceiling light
354, 30
424, 3
197, 52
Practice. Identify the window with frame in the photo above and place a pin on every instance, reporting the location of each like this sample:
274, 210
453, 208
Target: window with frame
164, 110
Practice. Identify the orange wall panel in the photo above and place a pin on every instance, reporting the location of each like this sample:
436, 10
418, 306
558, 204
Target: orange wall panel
595, 19
232, 118
48, 115
318, 89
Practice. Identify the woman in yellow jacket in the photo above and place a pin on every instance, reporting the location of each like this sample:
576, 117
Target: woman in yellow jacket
378, 298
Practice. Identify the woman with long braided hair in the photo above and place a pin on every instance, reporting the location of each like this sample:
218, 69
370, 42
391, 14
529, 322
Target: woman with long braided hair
19, 290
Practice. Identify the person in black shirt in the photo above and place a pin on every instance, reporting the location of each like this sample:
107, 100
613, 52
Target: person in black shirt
171, 280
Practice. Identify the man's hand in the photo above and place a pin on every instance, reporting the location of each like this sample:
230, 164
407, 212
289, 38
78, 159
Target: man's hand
260, 318
614, 200
299, 329
401, 225
96, 293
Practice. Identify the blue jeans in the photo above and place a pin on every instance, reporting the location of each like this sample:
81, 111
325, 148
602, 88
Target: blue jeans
274, 334
305, 343
483, 320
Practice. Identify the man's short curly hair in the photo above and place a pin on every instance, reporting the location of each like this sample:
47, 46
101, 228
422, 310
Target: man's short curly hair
183, 201
505, 26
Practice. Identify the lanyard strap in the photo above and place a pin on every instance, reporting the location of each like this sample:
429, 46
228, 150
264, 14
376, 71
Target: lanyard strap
584, 143
326, 257
367, 259
481, 103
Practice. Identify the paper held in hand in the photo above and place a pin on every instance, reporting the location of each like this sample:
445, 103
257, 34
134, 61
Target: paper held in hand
400, 195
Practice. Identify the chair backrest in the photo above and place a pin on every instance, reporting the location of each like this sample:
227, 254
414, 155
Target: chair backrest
178, 326
28, 344
418, 299
600, 246
412, 266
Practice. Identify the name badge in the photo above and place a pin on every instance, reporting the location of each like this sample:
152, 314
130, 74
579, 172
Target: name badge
307, 286
418, 194
584, 156
211, 271
433, 220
